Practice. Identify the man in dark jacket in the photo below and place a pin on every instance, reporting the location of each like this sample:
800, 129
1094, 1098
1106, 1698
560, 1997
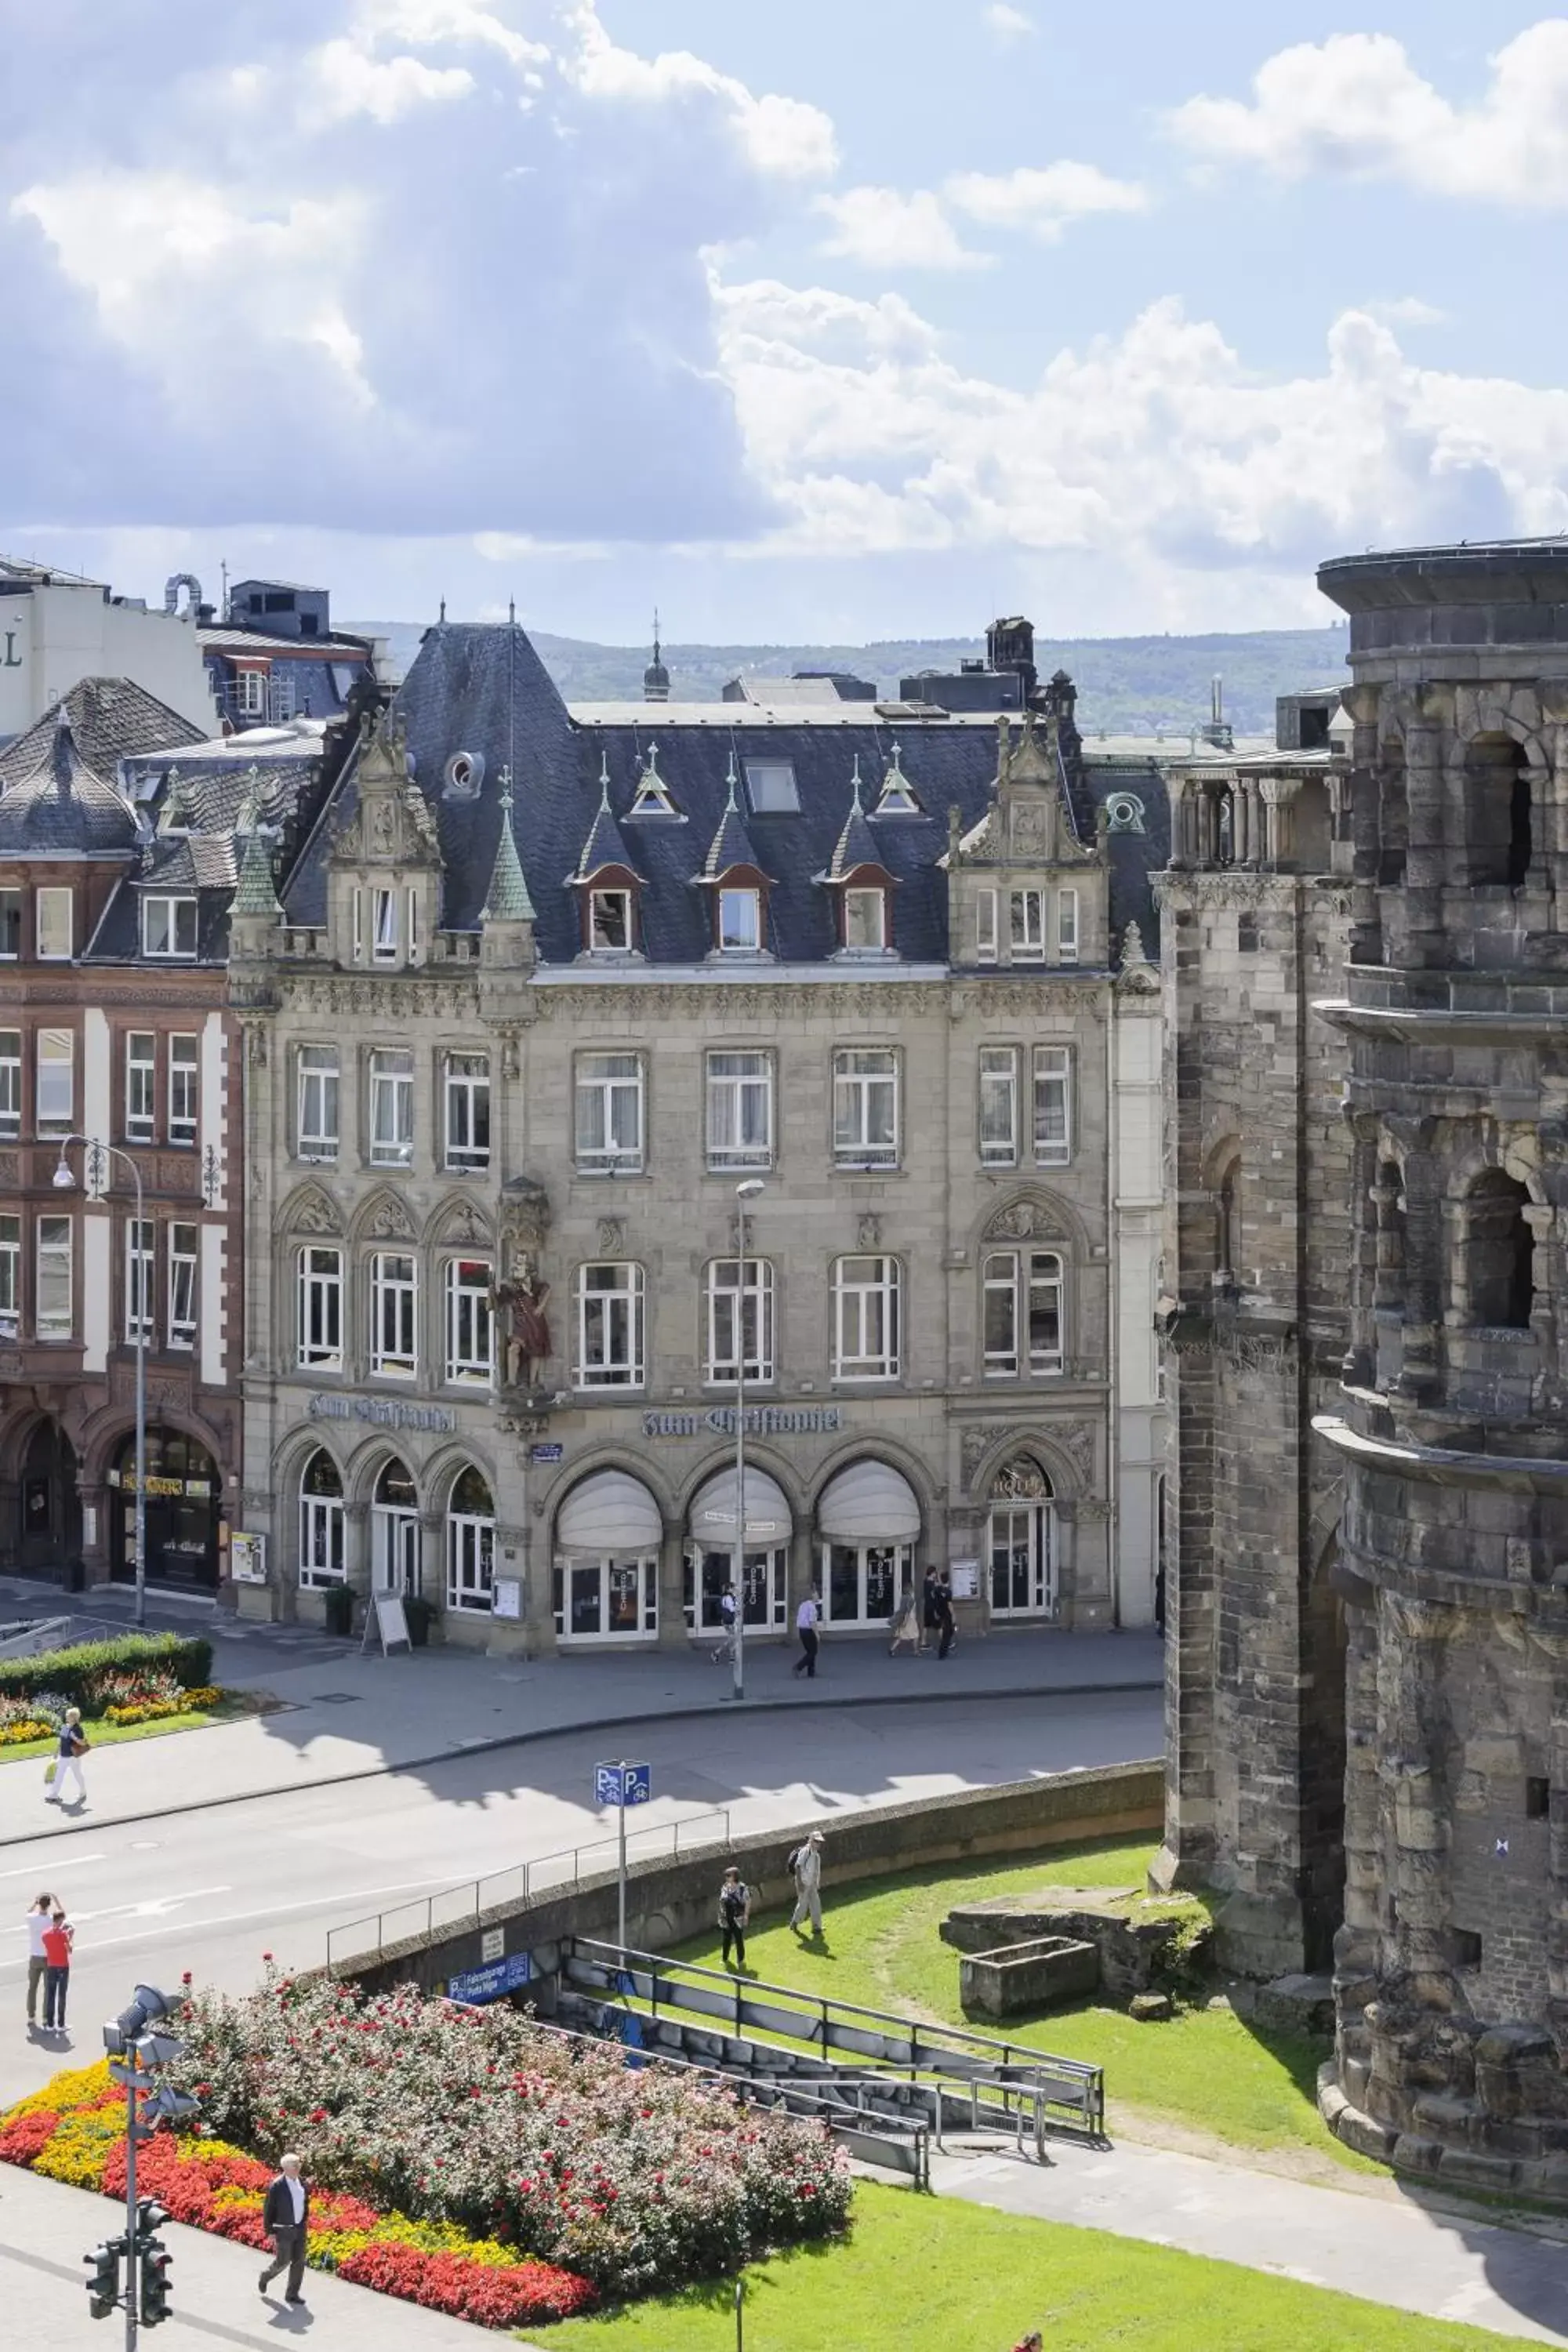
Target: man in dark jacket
284, 2217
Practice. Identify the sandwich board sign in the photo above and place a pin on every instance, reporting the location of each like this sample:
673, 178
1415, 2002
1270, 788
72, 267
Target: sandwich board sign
388, 1618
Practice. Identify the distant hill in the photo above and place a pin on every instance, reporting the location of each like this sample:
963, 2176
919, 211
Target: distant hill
1127, 686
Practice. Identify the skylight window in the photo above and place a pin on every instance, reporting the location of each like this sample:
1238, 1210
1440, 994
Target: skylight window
652, 795
897, 797
771, 786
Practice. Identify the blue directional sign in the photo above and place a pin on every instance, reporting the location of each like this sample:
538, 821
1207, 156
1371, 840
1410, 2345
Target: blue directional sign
622, 1784
493, 1983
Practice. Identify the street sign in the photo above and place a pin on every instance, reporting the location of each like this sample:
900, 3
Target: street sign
622, 1784
477, 1985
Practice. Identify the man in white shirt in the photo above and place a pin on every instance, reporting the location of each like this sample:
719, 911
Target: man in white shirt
806, 1618
807, 1864
37, 1962
283, 2217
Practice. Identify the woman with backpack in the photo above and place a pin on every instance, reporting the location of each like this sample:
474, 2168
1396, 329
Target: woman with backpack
70, 1750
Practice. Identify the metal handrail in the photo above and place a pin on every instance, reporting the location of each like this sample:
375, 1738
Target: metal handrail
464, 1906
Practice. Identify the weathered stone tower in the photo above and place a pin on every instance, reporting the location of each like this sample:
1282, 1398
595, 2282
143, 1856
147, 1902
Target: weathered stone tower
1452, 1965
1256, 916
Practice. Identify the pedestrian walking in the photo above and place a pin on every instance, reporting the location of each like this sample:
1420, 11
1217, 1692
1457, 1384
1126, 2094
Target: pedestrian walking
59, 1938
906, 1627
69, 1748
930, 1609
286, 2217
734, 1913
726, 1648
806, 1863
945, 1618
37, 1959
807, 1617
1033, 2342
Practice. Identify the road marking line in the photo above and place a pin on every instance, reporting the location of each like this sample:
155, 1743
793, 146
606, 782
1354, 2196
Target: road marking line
69, 1862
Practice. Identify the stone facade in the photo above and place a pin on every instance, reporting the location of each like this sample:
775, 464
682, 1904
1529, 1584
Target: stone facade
932, 1281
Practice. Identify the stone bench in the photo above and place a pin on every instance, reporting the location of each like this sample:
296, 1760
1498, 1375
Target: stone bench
1033, 1975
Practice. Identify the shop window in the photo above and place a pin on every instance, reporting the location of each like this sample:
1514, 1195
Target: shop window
613, 1599
739, 1110
1499, 1253
321, 1523
470, 1544
862, 1583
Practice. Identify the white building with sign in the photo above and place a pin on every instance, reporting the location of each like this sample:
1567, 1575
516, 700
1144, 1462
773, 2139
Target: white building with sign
57, 629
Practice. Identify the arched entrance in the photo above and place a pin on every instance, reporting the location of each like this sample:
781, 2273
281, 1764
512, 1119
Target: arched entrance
395, 1530
184, 1503
49, 1508
1021, 1541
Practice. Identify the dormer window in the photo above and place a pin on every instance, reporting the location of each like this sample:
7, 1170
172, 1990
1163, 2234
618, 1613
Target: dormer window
1027, 926
652, 795
897, 796
168, 927
383, 934
865, 921
250, 693
609, 922
740, 922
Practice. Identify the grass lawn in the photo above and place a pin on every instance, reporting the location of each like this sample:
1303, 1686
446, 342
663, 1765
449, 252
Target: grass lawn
1203, 2071
109, 1734
927, 2272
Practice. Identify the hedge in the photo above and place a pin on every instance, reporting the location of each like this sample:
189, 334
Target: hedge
185, 1656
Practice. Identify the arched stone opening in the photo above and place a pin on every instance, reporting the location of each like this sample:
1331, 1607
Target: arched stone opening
48, 1520
1313, 826
1499, 1253
1392, 818
1498, 815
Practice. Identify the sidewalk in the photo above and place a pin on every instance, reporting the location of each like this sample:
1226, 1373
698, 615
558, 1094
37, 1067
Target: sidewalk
46, 2228
1385, 2243
347, 1716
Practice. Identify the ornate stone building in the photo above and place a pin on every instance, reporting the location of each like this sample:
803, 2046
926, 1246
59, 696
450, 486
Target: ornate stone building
1417, 967
544, 991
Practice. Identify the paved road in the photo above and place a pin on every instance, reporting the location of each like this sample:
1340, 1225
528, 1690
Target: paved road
210, 1891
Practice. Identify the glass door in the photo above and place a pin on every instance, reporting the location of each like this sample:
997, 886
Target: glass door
396, 1547
861, 1583
1022, 1580
707, 1574
607, 1600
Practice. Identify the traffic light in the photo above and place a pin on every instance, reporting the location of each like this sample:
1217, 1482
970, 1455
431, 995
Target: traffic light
150, 2218
156, 2290
103, 2283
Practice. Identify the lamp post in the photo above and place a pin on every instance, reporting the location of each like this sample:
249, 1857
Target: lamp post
65, 1181
743, 1193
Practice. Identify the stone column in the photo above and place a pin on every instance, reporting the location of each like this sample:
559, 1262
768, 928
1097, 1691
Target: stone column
1279, 819
356, 1547
1366, 847
672, 1633
433, 1557
1426, 859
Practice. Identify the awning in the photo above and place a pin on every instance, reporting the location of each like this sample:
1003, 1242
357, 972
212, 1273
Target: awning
610, 1512
868, 1503
768, 1516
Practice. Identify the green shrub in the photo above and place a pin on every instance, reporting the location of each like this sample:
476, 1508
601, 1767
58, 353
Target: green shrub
74, 1675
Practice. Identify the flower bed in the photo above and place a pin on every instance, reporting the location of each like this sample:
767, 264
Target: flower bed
466, 2159
141, 1692
81, 1676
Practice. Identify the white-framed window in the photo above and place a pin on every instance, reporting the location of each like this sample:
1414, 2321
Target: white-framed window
138, 1273
1020, 1543
610, 1327
356, 909
250, 693
181, 1285
470, 1543
470, 1323
738, 1316
411, 918
384, 926
740, 922
772, 789
609, 1113
52, 916
321, 1549
168, 927
281, 698
10, 1082
609, 922
865, 1106
861, 1583
316, 1082
56, 1081
1022, 1308
1027, 926
393, 1300
1067, 926
865, 921
866, 1302
466, 1088
391, 1107
10, 926
56, 1316
141, 1085
740, 1109
999, 1106
184, 1087
320, 1307
1053, 1104
612, 1598
10, 1277
986, 926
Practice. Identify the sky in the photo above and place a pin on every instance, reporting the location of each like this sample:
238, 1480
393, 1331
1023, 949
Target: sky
828, 321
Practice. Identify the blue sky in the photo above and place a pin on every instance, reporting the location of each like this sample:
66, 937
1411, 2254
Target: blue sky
825, 320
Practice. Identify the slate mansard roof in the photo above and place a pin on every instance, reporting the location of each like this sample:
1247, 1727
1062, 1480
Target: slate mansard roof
481, 690
110, 719
59, 806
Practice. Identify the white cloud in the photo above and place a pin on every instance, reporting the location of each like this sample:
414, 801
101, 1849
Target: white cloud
1042, 201
882, 228
1008, 24
1356, 106
343, 80
780, 135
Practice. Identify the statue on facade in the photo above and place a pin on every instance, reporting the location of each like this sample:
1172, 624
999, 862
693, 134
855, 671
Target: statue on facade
527, 1331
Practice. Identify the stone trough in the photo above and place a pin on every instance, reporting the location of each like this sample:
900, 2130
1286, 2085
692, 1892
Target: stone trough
1033, 1975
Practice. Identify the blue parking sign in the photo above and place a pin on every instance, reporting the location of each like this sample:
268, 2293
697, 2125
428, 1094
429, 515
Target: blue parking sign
622, 1784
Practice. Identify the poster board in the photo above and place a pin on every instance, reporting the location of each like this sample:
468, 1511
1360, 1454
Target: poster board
506, 1601
385, 1617
964, 1580
248, 1558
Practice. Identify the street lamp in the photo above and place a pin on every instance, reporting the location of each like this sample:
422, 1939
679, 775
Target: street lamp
743, 1193
65, 1181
